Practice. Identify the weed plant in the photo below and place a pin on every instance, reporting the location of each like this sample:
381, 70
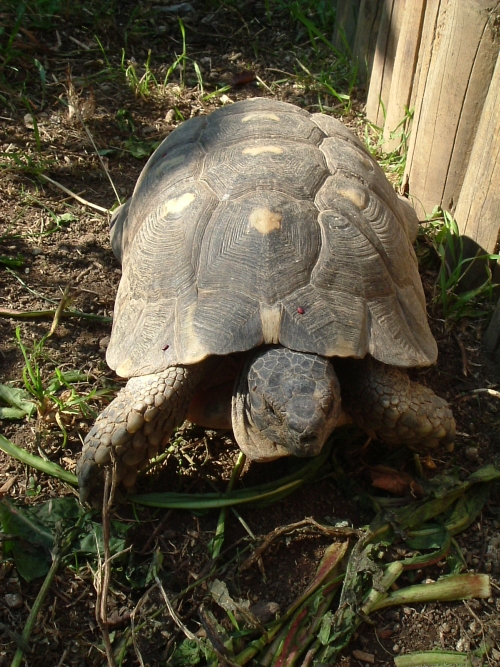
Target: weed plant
453, 299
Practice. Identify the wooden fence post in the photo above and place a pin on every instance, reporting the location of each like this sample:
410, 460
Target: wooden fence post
366, 37
478, 207
346, 18
383, 61
463, 51
404, 76
477, 211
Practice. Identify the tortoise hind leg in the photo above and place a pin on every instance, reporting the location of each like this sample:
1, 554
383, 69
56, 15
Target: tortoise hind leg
137, 424
389, 406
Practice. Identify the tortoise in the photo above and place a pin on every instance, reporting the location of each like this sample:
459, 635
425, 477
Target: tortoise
269, 285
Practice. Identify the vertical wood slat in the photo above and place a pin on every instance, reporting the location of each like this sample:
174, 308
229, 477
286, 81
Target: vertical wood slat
365, 40
346, 17
463, 51
478, 207
383, 61
404, 76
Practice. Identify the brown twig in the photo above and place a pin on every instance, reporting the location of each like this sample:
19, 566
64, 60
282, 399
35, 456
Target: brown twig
463, 354
482, 390
83, 201
299, 525
63, 304
101, 608
49, 314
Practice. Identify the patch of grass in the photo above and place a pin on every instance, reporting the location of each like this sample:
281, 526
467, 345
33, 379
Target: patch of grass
327, 70
451, 299
394, 161
140, 83
56, 397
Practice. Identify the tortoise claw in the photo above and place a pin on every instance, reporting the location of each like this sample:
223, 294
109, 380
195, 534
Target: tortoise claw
88, 478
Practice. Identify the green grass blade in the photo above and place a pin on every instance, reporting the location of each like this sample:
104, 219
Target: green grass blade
47, 467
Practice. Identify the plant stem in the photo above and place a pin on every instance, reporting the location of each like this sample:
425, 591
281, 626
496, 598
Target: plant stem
447, 589
16, 661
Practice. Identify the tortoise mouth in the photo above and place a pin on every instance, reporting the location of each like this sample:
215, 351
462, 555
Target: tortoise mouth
285, 403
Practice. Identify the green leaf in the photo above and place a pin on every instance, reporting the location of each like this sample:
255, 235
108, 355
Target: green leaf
92, 543
12, 413
31, 549
189, 654
16, 398
37, 462
140, 149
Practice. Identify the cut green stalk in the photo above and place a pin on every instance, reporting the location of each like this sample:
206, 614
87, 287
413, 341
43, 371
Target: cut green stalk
434, 658
378, 594
446, 589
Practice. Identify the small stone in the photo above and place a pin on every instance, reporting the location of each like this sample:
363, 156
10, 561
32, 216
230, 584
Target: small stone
265, 611
13, 600
104, 342
364, 657
463, 645
36, 251
170, 116
471, 453
396, 648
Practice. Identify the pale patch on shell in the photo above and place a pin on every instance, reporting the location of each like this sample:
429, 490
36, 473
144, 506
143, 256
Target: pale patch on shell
264, 220
257, 150
271, 323
177, 204
259, 116
356, 196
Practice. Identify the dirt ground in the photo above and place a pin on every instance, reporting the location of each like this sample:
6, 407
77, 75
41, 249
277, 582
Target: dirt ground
80, 119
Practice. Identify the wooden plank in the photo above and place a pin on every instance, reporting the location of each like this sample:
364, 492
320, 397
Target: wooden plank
383, 61
346, 19
477, 212
403, 76
479, 201
365, 40
463, 52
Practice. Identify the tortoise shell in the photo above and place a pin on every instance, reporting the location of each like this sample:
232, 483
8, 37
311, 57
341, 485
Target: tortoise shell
264, 224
